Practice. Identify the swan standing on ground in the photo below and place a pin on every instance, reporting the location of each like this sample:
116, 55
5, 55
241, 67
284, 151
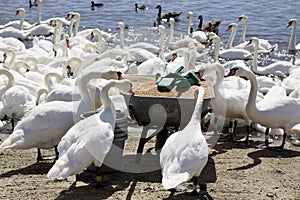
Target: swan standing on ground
228, 102
89, 140
185, 152
17, 101
281, 112
45, 125
282, 66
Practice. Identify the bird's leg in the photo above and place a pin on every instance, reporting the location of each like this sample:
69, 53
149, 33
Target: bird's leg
247, 136
195, 183
56, 152
246, 141
234, 126
280, 148
39, 155
98, 179
12, 124
283, 141
232, 129
203, 189
267, 137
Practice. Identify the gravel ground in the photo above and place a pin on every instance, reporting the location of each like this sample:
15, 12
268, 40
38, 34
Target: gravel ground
233, 172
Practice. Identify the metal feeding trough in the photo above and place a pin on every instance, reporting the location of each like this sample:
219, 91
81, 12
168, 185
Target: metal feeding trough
164, 114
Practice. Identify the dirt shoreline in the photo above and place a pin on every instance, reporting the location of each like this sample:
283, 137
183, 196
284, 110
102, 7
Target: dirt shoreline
233, 172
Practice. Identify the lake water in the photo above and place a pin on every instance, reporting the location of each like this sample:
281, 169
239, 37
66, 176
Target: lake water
267, 19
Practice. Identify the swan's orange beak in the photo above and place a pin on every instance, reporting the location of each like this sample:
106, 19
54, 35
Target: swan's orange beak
228, 28
250, 42
4, 57
67, 43
239, 19
92, 36
67, 16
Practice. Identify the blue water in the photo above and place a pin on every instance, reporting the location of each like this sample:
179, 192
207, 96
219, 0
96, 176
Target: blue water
267, 19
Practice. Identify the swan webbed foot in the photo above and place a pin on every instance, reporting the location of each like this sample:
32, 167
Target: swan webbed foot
194, 192
179, 188
98, 184
197, 192
278, 149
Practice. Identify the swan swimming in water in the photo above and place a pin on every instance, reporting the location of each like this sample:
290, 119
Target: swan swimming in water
292, 43
281, 66
230, 54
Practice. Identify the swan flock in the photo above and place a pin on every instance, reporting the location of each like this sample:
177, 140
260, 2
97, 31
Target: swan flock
69, 70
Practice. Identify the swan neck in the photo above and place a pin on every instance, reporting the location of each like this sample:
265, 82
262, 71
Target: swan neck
21, 27
192, 59
243, 35
196, 116
231, 38
251, 104
77, 25
39, 11
106, 102
162, 44
188, 30
50, 75
10, 77
39, 94
122, 42
255, 55
217, 50
12, 60
171, 33
292, 42
70, 30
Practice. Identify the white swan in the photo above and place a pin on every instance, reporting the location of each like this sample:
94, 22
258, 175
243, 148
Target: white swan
282, 66
45, 125
198, 35
292, 43
9, 82
17, 101
280, 112
133, 54
243, 18
185, 59
228, 102
89, 140
11, 42
101, 43
60, 92
264, 47
230, 54
19, 24
182, 42
185, 152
